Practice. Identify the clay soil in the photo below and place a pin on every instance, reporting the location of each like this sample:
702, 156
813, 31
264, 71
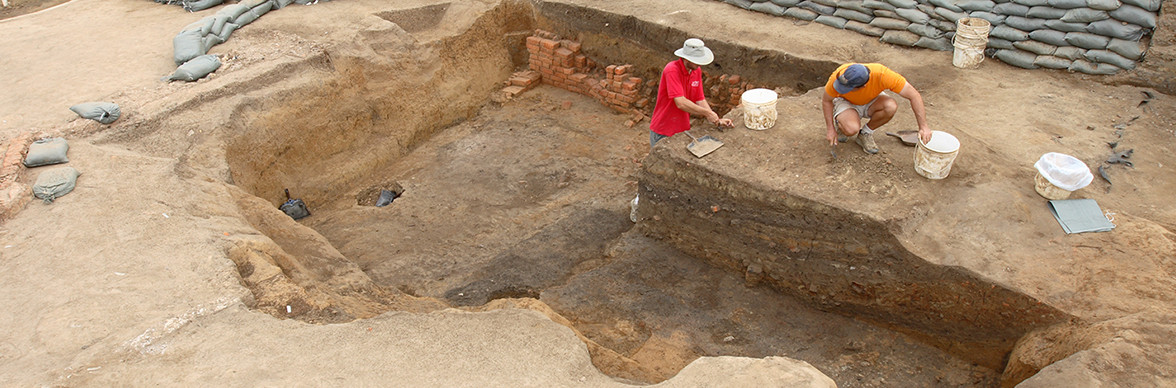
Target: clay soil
172, 237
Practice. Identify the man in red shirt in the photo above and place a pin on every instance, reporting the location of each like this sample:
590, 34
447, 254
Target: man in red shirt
854, 92
679, 93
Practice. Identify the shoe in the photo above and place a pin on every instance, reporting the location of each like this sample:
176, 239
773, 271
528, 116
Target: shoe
866, 140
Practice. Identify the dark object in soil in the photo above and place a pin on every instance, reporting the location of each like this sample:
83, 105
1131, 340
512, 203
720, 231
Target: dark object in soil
1102, 171
386, 197
294, 208
1121, 158
909, 138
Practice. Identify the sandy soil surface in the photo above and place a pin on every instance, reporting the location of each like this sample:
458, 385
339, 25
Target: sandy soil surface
168, 266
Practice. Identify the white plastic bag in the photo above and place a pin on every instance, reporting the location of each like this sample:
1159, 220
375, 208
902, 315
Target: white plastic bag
1064, 171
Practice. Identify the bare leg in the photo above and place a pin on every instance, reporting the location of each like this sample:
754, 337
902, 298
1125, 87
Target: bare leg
881, 111
849, 121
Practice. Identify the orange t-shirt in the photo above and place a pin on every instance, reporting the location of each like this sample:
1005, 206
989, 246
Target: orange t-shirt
881, 78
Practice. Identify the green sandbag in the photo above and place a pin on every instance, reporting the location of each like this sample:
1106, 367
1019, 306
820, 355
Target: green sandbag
768, 8
1024, 24
1070, 52
949, 4
1105, 5
52, 184
1150, 5
800, 13
950, 15
1087, 67
227, 31
196, 68
864, 29
938, 44
233, 11
1046, 12
1032, 3
1132, 50
881, 13
1084, 15
818, 8
262, 8
831, 21
244, 19
903, 3
1106, 56
1035, 47
853, 15
904, 38
1052, 62
1056, 38
977, 5
854, 5
1013, 9
878, 4
47, 151
102, 112
1115, 29
925, 31
1067, 4
913, 15
786, 3
1135, 15
1018, 58
1059, 25
992, 18
1008, 33
218, 24
999, 43
1087, 40
890, 24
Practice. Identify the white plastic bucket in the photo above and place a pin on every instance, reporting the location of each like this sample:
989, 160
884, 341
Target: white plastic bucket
1049, 190
971, 37
759, 109
933, 159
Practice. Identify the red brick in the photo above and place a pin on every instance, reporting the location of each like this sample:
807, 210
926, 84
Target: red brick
622, 69
548, 44
627, 99
567, 71
563, 53
635, 80
628, 86
533, 40
571, 45
641, 103
733, 80
608, 71
581, 61
578, 77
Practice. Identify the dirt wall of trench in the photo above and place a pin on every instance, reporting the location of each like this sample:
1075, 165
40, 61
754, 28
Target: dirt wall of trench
833, 259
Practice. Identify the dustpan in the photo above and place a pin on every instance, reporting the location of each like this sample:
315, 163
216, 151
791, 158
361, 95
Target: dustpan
701, 146
907, 137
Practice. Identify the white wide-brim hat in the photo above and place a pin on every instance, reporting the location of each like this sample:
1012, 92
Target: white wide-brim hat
695, 52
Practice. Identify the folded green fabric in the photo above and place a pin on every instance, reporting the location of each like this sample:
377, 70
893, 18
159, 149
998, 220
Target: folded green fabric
1080, 215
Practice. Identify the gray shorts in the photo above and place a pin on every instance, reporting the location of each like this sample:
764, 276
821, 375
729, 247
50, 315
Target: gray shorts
840, 104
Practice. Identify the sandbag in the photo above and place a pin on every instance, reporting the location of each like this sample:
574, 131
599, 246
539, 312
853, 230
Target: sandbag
1106, 56
196, 68
102, 112
890, 24
949, 4
1024, 24
1105, 5
1067, 4
903, 3
52, 184
279, 4
854, 5
768, 8
211, 40
818, 8
1032, 3
831, 21
1087, 67
253, 3
1013, 9
244, 19
903, 37
829, 3
1135, 15
1084, 15
218, 24
942, 25
939, 44
800, 13
200, 5
204, 25
1132, 50
233, 11
878, 4
1087, 40
1046, 12
881, 13
227, 31
1056, 38
950, 15
1115, 29
44, 152
1052, 62
1035, 47
853, 15
1150, 5
786, 3
262, 9
913, 15
999, 43
1070, 52
187, 45
925, 31
977, 5
992, 18
1018, 58
1065, 27
1008, 33
864, 29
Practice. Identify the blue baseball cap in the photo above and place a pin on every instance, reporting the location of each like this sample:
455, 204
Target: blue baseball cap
854, 76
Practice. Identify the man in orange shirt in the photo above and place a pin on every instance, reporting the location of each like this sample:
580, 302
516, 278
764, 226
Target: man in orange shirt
854, 92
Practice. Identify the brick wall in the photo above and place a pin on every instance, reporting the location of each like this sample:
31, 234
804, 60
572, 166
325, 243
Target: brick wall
13, 194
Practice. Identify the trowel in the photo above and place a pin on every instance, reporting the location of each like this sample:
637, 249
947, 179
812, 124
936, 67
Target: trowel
907, 137
701, 146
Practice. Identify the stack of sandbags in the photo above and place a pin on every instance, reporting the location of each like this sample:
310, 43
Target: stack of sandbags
1089, 36
197, 38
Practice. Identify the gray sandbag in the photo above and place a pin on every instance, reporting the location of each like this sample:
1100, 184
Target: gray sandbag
855, 5
1024, 24
253, 3
925, 30
52, 184
853, 15
200, 5
1087, 67
1135, 15
1067, 4
992, 18
218, 24
1008, 33
1059, 25
890, 24
903, 3
828, 3
1035, 47
1084, 15
927, 10
187, 45
1087, 40
999, 43
942, 25
768, 8
1070, 52
949, 4
226, 32
1013, 9
864, 29
881, 13
279, 4
786, 3
1056, 38
196, 68
102, 112
1045, 12
831, 21
1018, 58
904, 38
878, 4
1115, 29
247, 18
1032, 3
233, 11
204, 25
913, 15
211, 40
745, 4
1106, 56
1150, 5
1132, 50
818, 8
1105, 5
950, 15
1052, 62
977, 5
47, 151
938, 44
262, 9
800, 13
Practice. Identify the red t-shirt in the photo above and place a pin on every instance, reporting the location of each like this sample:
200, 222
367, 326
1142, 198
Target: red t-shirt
676, 81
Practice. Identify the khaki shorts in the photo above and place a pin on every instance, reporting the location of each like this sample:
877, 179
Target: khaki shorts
840, 104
